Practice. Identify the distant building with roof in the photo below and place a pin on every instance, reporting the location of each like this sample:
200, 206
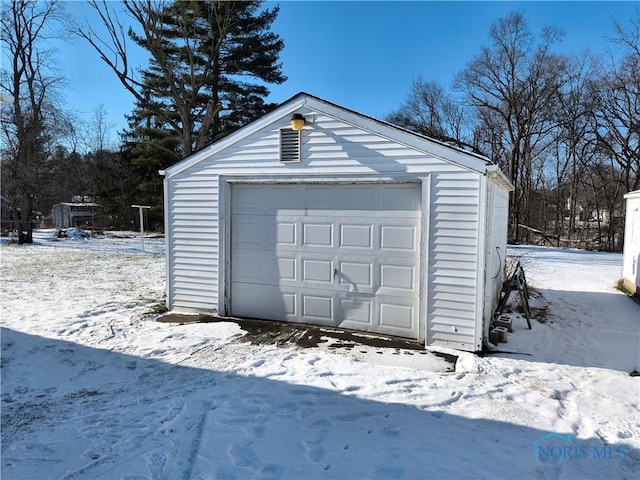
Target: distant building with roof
66, 215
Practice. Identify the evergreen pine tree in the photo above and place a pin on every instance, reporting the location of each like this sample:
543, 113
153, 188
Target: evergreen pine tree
210, 65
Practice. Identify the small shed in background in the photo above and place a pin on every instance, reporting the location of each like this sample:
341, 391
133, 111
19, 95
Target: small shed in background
66, 215
631, 253
317, 214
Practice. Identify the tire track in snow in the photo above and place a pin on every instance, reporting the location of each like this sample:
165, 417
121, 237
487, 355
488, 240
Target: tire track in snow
178, 461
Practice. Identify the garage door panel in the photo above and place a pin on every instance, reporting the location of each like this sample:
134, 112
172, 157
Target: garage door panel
318, 306
287, 269
286, 233
398, 238
356, 236
258, 232
317, 271
349, 256
398, 277
263, 301
250, 267
320, 197
358, 311
357, 197
357, 275
249, 232
395, 316
272, 198
400, 198
244, 267
318, 234
266, 200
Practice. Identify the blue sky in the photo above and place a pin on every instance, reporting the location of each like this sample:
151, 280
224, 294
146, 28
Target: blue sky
364, 55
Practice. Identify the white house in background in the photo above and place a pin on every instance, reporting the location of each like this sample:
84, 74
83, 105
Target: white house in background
631, 255
342, 220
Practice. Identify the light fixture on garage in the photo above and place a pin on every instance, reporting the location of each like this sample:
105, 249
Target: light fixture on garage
297, 121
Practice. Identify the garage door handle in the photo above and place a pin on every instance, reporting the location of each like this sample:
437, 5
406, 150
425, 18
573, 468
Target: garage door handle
335, 272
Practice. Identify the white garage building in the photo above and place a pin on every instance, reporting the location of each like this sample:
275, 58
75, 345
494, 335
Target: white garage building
341, 220
631, 254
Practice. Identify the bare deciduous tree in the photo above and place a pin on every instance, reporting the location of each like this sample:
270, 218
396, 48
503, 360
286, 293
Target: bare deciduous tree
431, 111
617, 114
97, 133
33, 118
513, 84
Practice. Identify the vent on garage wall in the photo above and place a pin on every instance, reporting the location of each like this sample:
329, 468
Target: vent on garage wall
290, 145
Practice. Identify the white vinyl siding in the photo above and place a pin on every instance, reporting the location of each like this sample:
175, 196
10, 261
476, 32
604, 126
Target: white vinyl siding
497, 221
326, 149
193, 254
451, 310
631, 251
342, 147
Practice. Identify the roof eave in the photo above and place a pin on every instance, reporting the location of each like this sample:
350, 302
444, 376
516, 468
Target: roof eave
498, 176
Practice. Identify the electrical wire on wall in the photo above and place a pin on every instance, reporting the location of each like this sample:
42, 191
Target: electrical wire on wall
499, 264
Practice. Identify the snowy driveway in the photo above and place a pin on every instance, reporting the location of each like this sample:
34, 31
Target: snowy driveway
590, 323
93, 388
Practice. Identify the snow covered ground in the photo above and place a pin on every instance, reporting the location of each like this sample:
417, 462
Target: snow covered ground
94, 387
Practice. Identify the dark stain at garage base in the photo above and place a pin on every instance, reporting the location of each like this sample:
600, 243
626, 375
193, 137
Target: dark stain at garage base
259, 332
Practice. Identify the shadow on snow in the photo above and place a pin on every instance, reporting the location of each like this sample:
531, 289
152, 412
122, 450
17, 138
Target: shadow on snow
74, 411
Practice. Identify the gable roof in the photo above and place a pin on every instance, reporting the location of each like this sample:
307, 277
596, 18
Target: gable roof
397, 127
436, 148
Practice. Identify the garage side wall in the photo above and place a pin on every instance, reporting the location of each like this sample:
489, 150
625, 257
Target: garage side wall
193, 242
631, 253
496, 248
453, 264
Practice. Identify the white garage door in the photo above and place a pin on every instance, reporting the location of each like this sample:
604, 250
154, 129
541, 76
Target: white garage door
340, 255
